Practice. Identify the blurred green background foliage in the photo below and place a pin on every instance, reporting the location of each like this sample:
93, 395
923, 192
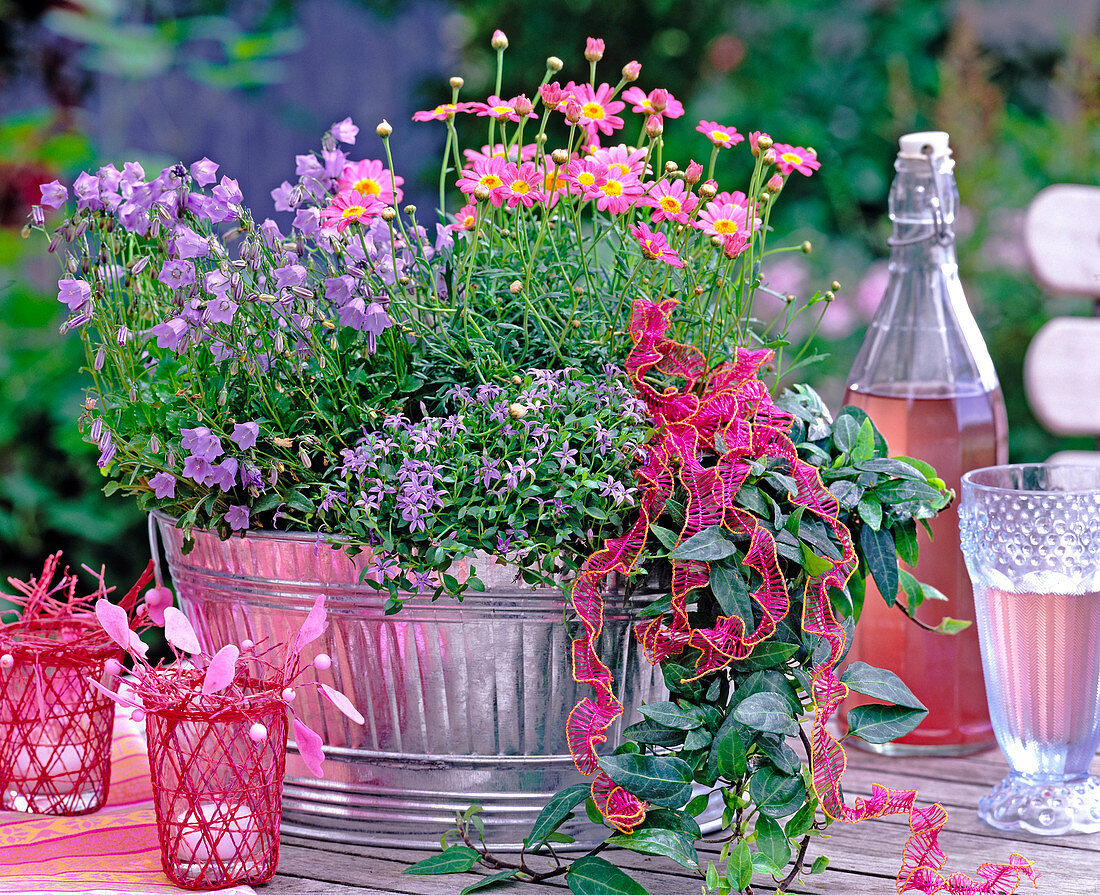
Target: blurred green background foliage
1016, 84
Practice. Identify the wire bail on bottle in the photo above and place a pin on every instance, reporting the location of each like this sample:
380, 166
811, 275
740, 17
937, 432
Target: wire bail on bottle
941, 230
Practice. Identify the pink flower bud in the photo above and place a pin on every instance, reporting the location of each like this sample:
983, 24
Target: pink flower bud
774, 184
593, 50
552, 95
499, 41
654, 125
632, 70
693, 173
658, 99
573, 110
769, 157
523, 105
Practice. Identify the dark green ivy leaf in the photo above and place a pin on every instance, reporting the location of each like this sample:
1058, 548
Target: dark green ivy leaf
661, 779
709, 544
592, 875
883, 723
882, 559
457, 859
555, 812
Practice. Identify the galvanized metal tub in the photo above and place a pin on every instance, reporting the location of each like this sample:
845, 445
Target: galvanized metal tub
466, 703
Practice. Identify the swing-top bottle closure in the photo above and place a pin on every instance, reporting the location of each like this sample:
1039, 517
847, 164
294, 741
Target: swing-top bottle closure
931, 148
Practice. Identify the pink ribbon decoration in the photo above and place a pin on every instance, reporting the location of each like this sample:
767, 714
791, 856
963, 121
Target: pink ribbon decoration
732, 402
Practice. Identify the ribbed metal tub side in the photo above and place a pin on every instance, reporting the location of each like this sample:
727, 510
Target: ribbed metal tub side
465, 702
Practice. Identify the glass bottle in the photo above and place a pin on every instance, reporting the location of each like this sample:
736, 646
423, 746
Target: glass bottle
925, 377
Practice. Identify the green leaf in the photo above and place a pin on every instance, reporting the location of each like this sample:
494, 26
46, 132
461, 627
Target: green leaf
905, 540
879, 683
772, 842
673, 819
803, 820
846, 493
762, 864
951, 625
813, 564
698, 805
781, 755
739, 867
845, 433
728, 756
882, 559
892, 466
864, 448
667, 537
709, 544
660, 779
457, 859
674, 844
555, 812
489, 881
768, 712
769, 654
732, 593
669, 714
593, 875
870, 511
820, 863
776, 794
653, 734
905, 490
924, 468
883, 723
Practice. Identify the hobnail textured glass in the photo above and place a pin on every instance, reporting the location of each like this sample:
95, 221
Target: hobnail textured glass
1031, 538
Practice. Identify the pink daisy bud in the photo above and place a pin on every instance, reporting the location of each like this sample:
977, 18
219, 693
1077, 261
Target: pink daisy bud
523, 105
257, 733
499, 41
632, 70
658, 99
593, 50
574, 111
774, 184
769, 157
552, 95
654, 126
693, 173
322, 662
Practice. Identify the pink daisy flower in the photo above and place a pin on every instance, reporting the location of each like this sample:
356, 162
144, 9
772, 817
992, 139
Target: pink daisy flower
370, 178
442, 112
719, 134
586, 175
501, 109
499, 150
489, 173
622, 158
523, 184
670, 201
598, 108
618, 192
465, 218
722, 219
350, 207
654, 246
642, 103
795, 158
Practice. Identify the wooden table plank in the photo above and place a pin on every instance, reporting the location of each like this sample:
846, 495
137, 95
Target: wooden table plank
864, 858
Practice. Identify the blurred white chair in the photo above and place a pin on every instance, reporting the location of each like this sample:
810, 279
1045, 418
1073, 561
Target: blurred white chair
1062, 364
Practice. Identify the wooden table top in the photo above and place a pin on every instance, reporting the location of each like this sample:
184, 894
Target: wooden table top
863, 858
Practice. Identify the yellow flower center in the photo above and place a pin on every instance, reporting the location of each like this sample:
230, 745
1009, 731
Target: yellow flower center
367, 186
725, 226
792, 158
612, 188
491, 181
719, 136
503, 110
553, 182
593, 111
670, 204
621, 167
586, 178
352, 211
646, 104
520, 187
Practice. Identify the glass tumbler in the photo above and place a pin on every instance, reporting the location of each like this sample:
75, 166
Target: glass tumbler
1031, 538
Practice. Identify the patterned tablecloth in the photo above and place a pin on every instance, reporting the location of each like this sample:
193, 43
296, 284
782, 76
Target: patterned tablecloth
111, 852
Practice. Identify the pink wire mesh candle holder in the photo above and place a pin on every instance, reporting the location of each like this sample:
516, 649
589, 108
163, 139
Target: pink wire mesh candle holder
217, 789
55, 727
